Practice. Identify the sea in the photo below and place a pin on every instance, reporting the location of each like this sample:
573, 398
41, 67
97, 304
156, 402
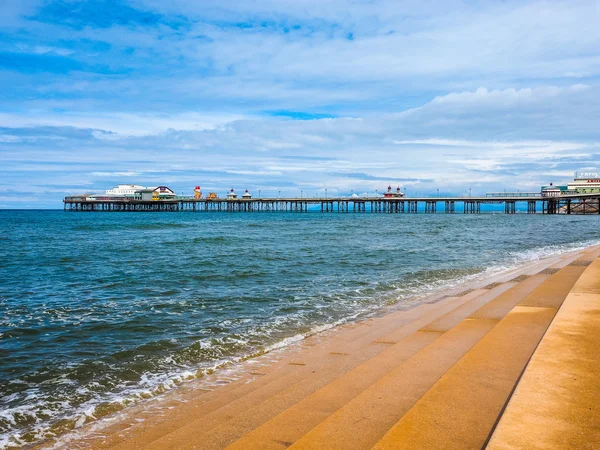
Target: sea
101, 311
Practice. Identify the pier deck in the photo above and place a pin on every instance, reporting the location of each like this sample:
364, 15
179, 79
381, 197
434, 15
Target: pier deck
566, 204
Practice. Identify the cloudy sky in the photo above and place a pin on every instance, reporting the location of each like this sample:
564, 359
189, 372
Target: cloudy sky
295, 95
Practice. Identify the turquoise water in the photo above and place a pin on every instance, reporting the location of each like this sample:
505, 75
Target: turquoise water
98, 310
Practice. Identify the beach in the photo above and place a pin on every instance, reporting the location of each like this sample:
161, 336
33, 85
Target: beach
435, 375
272, 225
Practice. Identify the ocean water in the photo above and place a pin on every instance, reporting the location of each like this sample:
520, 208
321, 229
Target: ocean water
102, 310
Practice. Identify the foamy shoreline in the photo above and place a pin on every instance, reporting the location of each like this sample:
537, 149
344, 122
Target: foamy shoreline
191, 395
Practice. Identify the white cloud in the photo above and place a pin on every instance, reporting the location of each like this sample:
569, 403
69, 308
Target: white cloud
506, 98
544, 146
400, 49
126, 124
129, 173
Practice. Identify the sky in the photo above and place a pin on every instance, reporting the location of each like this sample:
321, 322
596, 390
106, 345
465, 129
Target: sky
295, 96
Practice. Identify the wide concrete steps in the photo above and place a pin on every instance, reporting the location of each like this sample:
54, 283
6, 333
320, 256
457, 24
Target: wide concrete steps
460, 410
555, 404
405, 371
436, 376
435, 400
299, 377
463, 407
299, 419
313, 365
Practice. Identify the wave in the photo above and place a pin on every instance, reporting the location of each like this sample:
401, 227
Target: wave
103, 227
211, 239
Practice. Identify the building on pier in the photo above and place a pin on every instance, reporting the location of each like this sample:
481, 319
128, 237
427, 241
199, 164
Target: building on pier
164, 193
553, 191
585, 182
392, 194
157, 193
137, 192
247, 195
125, 190
231, 195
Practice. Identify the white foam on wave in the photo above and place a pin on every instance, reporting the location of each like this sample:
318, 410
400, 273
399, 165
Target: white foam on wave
153, 385
518, 259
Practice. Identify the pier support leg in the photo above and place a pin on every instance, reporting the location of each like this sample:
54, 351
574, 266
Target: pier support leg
510, 207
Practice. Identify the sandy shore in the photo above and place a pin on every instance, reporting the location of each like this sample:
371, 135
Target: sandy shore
324, 372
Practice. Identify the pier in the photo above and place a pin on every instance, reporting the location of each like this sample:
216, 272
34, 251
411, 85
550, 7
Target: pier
564, 204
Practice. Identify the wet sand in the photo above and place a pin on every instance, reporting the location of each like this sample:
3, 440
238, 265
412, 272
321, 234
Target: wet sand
379, 382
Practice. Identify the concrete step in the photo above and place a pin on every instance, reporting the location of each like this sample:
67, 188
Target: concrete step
555, 404
363, 420
591, 253
286, 427
460, 410
553, 291
490, 306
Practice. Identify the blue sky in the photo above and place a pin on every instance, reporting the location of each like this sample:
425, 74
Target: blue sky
284, 95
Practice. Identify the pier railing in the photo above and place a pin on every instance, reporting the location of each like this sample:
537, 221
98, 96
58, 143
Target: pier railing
513, 194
